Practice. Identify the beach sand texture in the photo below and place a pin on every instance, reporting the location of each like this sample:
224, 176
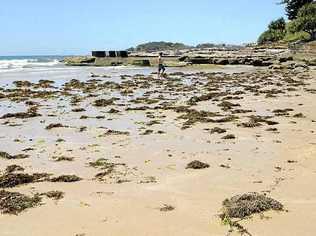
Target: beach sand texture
130, 136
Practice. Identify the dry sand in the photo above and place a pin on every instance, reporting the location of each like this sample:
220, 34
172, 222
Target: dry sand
127, 202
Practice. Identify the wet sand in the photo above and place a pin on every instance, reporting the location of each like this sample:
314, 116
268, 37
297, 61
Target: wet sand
150, 141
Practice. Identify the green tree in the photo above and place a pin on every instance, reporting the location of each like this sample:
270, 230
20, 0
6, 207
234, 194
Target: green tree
293, 6
276, 31
306, 20
278, 24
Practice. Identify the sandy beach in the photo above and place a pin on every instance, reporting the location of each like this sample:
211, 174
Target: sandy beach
129, 136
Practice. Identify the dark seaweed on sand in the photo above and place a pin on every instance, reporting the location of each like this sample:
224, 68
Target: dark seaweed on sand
66, 178
14, 203
197, 165
242, 206
8, 156
9, 180
56, 195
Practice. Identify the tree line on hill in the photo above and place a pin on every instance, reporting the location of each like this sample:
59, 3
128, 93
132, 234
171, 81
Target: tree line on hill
162, 46
300, 27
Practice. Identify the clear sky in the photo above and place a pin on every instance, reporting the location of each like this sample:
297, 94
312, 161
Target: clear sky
34, 27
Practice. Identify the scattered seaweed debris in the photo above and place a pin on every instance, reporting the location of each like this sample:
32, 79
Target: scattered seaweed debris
14, 203
193, 116
250, 124
21, 115
227, 105
299, 115
104, 173
271, 122
197, 165
104, 102
264, 119
205, 97
291, 161
57, 125
282, 112
43, 83
229, 136
228, 118
167, 208
242, 206
84, 117
62, 158
147, 132
106, 167
113, 111
6, 155
114, 132
13, 168
148, 180
218, 130
224, 166
10, 180
22, 83
60, 140
100, 163
78, 110
66, 178
56, 195
272, 129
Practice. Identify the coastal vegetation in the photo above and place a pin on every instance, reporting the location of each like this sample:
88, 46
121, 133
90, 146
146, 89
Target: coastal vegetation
159, 46
300, 27
162, 46
292, 7
276, 31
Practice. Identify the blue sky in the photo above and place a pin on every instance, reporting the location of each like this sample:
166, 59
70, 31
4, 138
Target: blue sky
39, 27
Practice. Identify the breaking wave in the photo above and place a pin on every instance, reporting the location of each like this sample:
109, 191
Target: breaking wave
13, 63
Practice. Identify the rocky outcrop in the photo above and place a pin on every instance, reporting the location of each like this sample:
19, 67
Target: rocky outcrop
80, 60
141, 63
291, 65
198, 60
230, 61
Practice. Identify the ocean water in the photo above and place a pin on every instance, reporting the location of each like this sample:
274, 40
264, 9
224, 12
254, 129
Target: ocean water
20, 63
35, 68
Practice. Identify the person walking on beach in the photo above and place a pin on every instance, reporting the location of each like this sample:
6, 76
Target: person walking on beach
161, 67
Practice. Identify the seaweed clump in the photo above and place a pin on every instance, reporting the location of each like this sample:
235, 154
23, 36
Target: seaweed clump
30, 113
14, 203
10, 180
63, 158
114, 132
13, 168
167, 208
218, 130
241, 206
107, 168
229, 136
197, 165
8, 156
56, 195
66, 178
52, 126
104, 102
193, 116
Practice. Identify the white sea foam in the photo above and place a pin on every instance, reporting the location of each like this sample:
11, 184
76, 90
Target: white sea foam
20, 64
